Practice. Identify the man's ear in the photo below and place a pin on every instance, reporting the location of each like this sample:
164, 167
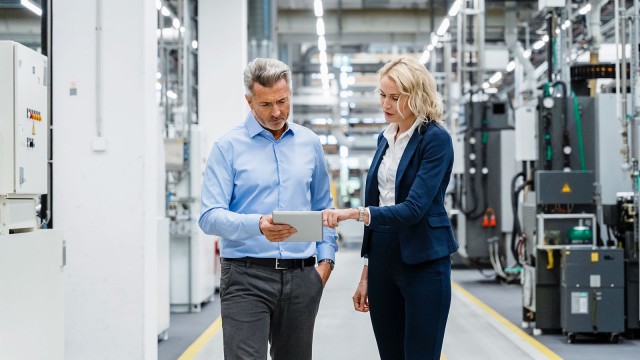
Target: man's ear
248, 101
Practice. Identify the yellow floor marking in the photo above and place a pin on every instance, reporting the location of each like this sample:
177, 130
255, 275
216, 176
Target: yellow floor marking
526, 337
202, 340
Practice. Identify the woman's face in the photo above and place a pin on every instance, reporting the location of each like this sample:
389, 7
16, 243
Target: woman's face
389, 100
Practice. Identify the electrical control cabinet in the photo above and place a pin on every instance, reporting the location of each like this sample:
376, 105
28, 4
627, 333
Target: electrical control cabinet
592, 292
23, 121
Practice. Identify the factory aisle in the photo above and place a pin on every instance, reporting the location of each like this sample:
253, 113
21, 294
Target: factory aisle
474, 330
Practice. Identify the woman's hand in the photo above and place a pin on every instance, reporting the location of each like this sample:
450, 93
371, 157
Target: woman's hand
331, 217
361, 297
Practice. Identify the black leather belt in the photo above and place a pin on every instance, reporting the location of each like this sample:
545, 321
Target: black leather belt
280, 264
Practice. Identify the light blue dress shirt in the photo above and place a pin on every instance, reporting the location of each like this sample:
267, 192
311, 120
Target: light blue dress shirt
249, 174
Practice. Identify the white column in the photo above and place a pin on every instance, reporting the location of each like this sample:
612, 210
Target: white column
105, 190
222, 57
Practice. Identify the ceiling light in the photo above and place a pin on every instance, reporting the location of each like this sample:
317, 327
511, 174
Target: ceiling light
585, 9
434, 40
31, 6
317, 6
538, 45
566, 24
545, 38
158, 4
430, 47
172, 95
527, 53
495, 78
322, 43
323, 57
320, 27
176, 23
455, 8
511, 65
194, 44
158, 75
165, 11
443, 27
425, 57
324, 69
491, 90
182, 29
485, 85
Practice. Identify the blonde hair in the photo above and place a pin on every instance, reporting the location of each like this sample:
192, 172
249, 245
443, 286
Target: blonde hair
415, 82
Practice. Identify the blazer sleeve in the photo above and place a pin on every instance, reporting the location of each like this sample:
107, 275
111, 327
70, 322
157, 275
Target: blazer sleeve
435, 163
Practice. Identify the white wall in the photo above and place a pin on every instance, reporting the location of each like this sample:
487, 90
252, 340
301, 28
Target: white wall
222, 57
106, 202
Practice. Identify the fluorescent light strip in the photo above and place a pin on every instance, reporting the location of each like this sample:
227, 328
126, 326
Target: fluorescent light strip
317, 6
443, 27
320, 27
455, 8
29, 5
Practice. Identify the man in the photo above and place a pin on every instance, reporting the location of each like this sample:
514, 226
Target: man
269, 289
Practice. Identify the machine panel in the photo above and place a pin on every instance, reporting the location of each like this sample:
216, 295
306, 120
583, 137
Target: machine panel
23, 120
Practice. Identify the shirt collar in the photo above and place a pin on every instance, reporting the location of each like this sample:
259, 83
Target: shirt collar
254, 127
392, 129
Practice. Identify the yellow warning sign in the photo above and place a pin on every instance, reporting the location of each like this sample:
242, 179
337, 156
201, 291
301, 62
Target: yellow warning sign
566, 188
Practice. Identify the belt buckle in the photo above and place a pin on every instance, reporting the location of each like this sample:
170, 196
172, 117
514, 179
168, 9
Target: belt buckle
278, 265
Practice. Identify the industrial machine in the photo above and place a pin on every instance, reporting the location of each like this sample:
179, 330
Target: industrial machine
575, 190
194, 256
482, 209
32, 259
592, 292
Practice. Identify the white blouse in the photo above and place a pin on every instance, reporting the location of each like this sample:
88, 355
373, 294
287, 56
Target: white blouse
389, 165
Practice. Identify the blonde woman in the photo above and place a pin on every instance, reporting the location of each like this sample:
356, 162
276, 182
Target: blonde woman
406, 280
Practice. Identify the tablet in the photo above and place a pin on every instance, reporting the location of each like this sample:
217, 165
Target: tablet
307, 223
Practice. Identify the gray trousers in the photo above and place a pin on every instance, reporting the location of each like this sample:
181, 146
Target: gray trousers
261, 304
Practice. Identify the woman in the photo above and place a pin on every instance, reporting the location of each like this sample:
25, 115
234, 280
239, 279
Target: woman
405, 282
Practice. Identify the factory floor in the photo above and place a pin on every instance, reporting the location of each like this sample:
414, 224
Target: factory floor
484, 323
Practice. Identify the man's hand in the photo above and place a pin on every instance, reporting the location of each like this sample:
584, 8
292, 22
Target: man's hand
275, 232
324, 269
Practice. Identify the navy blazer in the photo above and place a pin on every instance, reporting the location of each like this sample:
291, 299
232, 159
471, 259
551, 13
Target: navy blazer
422, 178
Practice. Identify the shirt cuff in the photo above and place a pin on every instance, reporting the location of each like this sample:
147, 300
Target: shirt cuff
325, 251
368, 213
254, 219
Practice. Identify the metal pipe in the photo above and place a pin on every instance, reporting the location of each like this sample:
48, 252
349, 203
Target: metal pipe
480, 21
595, 32
623, 76
635, 71
186, 105
550, 48
99, 68
447, 77
460, 54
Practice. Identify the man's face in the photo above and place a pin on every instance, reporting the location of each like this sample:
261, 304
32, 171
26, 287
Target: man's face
271, 106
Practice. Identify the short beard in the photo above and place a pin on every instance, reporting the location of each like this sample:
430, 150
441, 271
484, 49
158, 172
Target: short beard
265, 124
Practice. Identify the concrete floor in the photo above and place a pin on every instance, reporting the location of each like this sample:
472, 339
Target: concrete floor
473, 331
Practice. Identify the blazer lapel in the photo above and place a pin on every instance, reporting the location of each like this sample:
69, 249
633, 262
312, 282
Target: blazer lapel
406, 156
372, 176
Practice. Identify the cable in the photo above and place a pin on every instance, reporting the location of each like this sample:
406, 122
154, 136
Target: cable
515, 231
566, 142
576, 114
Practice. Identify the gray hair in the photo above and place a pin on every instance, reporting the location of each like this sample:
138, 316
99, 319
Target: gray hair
266, 72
